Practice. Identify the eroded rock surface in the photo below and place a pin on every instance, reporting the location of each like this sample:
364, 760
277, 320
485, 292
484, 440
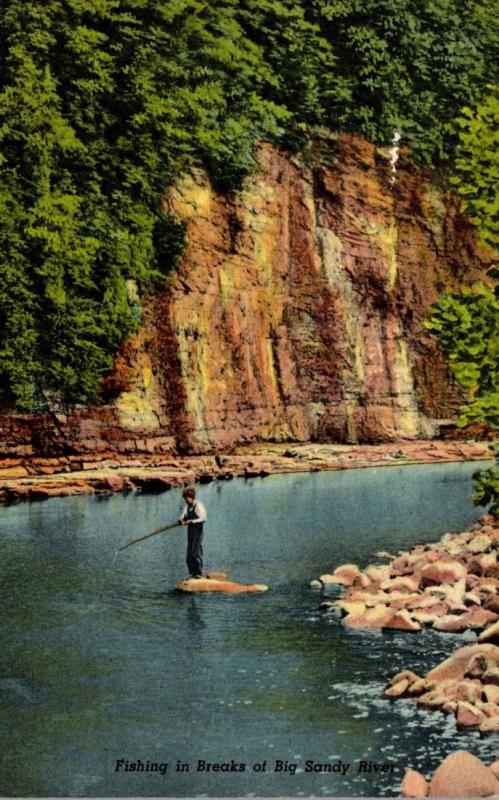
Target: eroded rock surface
295, 315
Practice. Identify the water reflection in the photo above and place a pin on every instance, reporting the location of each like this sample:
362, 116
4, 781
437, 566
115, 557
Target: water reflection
102, 660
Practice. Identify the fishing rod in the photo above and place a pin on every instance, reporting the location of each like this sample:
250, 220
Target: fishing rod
148, 535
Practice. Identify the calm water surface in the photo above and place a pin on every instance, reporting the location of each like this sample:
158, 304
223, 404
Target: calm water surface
102, 661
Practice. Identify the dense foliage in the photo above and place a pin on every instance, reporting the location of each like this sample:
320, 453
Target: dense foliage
466, 323
102, 101
408, 64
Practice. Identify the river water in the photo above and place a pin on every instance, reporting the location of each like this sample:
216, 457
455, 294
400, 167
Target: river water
102, 662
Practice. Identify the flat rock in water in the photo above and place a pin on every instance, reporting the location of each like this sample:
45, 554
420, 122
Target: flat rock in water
218, 582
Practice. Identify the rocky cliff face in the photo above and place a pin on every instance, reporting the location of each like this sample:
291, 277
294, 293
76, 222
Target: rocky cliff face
295, 314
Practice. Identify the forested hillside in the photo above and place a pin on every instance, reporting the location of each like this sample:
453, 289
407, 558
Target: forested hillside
103, 101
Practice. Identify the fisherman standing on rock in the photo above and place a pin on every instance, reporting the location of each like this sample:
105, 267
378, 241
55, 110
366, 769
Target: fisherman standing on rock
194, 516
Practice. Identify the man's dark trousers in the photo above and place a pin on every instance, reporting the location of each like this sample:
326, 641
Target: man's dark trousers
195, 549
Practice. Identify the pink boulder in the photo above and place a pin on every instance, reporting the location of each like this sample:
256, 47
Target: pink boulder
451, 623
462, 774
402, 621
370, 618
206, 584
414, 784
490, 634
467, 715
455, 666
443, 572
346, 574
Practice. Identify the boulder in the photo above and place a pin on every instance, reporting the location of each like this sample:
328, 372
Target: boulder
472, 598
484, 564
398, 602
491, 602
490, 725
451, 623
469, 690
345, 575
488, 709
377, 573
490, 634
495, 768
363, 581
354, 607
397, 690
326, 579
370, 618
435, 698
418, 687
480, 544
478, 617
424, 601
372, 600
206, 584
491, 675
414, 784
476, 666
404, 583
424, 617
406, 674
467, 715
402, 621
472, 581
487, 586
455, 665
443, 572
462, 774
491, 692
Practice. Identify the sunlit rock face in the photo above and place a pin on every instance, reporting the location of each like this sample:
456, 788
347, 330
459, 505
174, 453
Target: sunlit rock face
297, 309
295, 314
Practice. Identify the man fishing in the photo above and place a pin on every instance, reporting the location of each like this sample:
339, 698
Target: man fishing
194, 516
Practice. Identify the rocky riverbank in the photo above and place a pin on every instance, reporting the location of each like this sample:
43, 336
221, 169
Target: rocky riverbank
37, 478
466, 685
452, 586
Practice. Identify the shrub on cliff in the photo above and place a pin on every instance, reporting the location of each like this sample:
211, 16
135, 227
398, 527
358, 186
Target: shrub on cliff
466, 323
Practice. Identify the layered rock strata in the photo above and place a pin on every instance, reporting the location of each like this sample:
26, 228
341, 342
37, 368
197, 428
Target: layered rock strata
39, 478
295, 315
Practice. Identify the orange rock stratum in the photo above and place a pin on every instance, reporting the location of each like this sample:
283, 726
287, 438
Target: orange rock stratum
295, 315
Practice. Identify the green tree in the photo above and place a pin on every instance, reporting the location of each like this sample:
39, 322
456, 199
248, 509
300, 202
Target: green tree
408, 65
466, 323
101, 102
